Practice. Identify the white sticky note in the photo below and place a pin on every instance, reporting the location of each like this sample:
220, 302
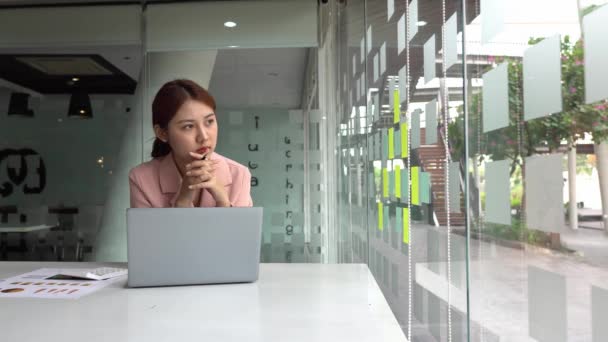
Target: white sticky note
362, 80
413, 19
401, 34
498, 199
454, 187
542, 79
495, 107
369, 39
358, 88
382, 58
492, 19
376, 98
429, 59
415, 130
376, 67
450, 48
362, 44
547, 308
431, 123
599, 312
596, 55
544, 192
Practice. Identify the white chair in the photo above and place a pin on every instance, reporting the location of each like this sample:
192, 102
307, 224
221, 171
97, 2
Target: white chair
38, 240
86, 223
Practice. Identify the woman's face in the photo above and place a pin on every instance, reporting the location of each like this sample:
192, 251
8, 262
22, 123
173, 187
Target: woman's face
193, 127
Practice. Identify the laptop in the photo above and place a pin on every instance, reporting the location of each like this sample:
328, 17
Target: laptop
188, 246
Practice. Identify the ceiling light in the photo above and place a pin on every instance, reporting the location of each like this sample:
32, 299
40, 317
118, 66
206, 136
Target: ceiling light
18, 104
233, 46
75, 79
230, 24
421, 23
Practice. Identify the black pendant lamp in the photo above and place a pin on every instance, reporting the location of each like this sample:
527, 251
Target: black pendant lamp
18, 105
80, 106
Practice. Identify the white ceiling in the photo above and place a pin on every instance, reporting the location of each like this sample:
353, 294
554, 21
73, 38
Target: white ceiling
259, 78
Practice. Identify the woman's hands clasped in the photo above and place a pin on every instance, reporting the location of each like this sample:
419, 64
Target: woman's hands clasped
201, 174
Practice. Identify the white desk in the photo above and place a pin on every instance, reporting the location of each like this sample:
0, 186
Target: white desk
24, 229
290, 302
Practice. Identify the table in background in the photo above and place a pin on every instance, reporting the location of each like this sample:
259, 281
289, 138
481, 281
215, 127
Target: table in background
22, 230
290, 302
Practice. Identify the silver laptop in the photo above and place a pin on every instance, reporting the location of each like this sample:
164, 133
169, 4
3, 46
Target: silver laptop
186, 246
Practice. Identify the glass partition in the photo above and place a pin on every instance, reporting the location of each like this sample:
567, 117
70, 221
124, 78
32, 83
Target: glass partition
536, 130
69, 127
469, 163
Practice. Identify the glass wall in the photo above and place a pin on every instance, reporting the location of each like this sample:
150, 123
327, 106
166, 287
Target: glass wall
469, 163
69, 132
77, 117
536, 129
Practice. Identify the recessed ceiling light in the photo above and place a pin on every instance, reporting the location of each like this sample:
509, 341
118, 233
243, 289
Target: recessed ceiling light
421, 23
75, 79
230, 24
233, 46
82, 111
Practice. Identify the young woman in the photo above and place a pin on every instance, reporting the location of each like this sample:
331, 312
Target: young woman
185, 171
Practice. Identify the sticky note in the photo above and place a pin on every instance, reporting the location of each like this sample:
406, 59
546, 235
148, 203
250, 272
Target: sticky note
380, 216
399, 219
405, 181
391, 143
396, 106
385, 182
398, 145
415, 185
385, 216
404, 146
397, 171
384, 147
406, 226
391, 183
425, 187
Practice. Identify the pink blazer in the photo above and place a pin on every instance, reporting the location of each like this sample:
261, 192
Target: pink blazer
156, 183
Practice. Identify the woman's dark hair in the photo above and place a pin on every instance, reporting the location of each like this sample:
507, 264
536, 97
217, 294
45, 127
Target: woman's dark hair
171, 96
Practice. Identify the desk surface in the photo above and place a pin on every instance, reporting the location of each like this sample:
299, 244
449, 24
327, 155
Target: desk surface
290, 302
24, 228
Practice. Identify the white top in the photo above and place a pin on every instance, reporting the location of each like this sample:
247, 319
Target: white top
24, 229
290, 302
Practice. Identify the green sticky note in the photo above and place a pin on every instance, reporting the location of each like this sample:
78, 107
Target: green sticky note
405, 181
396, 106
391, 184
425, 187
399, 219
406, 226
404, 146
391, 143
380, 216
397, 171
415, 185
385, 182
